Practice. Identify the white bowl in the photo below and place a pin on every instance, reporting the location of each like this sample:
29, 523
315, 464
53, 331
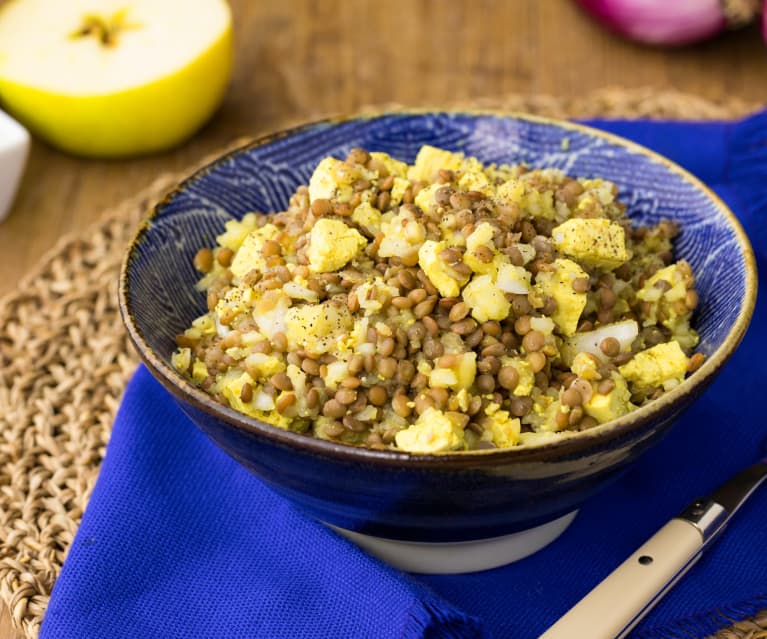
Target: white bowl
14, 148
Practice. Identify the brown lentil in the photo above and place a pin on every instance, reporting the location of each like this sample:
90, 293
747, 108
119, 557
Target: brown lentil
489, 365
605, 387
549, 306
424, 308
607, 297
351, 382
346, 396
334, 429
386, 347
583, 387
520, 406
417, 295
581, 284
473, 339
464, 327
522, 325
533, 341
400, 405
494, 350
352, 424
576, 414
312, 398
377, 395
562, 419
571, 397
281, 381
422, 402
387, 367
696, 361
610, 346
508, 377
246, 393
280, 342
402, 303
485, 383
623, 358
537, 361
459, 311
333, 408
285, 401
224, 257
310, 367
440, 397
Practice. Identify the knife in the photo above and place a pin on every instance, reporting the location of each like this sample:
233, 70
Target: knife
619, 602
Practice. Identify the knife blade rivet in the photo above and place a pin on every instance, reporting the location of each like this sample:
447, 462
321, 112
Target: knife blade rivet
645, 560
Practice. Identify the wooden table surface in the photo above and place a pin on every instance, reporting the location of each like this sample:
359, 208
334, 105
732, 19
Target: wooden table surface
298, 59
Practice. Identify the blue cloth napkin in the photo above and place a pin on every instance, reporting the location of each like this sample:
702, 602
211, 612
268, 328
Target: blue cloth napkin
179, 541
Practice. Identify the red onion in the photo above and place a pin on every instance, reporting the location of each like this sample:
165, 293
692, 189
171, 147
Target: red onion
671, 22
764, 21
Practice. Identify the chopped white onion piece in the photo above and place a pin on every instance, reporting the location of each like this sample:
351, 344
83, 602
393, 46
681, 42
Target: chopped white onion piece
625, 332
262, 401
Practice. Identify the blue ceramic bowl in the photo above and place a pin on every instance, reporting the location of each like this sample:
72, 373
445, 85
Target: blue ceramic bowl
446, 497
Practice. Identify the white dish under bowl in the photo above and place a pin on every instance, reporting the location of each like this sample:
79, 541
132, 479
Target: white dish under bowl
14, 148
460, 556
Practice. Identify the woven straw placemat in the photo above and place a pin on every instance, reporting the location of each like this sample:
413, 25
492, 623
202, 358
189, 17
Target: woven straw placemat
65, 360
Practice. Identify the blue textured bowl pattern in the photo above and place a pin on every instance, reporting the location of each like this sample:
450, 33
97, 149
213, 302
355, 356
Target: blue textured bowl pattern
263, 178
362, 491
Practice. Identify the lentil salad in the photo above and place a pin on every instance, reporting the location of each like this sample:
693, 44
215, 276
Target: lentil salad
446, 305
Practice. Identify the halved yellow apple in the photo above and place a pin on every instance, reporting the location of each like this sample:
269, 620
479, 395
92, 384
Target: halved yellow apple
114, 78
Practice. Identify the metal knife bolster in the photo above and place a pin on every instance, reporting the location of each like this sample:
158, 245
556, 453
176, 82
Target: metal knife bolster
710, 514
707, 516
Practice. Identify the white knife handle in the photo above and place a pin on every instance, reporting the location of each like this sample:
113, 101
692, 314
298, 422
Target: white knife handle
617, 604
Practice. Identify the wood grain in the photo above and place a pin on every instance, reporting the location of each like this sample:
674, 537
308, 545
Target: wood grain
299, 59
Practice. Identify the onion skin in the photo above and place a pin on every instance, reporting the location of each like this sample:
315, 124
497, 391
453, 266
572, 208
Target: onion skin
660, 22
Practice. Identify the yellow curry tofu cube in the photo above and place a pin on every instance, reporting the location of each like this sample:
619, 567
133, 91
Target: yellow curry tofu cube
199, 371
425, 198
558, 284
476, 181
458, 376
485, 299
236, 231
394, 167
181, 360
231, 389
612, 405
481, 255
663, 364
667, 300
436, 270
500, 428
525, 372
596, 242
249, 256
332, 180
403, 235
516, 192
332, 245
368, 217
430, 160
316, 327
433, 432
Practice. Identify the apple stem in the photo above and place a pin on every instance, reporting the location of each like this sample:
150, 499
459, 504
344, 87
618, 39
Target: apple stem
106, 30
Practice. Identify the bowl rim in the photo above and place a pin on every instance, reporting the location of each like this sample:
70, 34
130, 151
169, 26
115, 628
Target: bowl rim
183, 390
